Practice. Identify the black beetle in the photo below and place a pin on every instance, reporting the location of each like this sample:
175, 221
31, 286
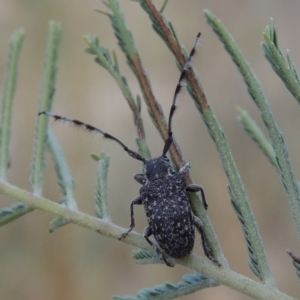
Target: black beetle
163, 194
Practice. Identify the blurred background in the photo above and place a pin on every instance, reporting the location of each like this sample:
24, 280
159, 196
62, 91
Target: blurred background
74, 263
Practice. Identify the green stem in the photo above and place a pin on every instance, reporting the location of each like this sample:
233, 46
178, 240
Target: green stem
258, 136
222, 275
103, 59
285, 69
161, 26
13, 212
14, 51
286, 172
45, 103
63, 172
101, 187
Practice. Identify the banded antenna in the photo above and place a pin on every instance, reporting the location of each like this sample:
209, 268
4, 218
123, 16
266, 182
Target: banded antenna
132, 153
179, 86
91, 128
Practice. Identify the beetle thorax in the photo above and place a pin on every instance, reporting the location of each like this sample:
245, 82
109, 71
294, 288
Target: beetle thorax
158, 167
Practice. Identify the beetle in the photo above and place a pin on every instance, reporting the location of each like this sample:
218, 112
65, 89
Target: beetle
163, 193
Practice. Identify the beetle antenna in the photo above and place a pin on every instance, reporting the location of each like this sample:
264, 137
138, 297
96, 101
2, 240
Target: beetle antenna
91, 128
179, 86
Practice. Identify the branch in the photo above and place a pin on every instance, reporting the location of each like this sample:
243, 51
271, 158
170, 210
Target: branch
222, 275
282, 156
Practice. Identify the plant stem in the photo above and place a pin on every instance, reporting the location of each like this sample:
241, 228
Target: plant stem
286, 171
45, 103
222, 275
11, 73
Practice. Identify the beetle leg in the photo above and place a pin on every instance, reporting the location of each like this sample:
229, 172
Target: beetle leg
147, 233
137, 200
194, 188
184, 170
198, 224
140, 178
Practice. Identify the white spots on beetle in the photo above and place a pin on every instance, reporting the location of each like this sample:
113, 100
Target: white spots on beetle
167, 247
186, 242
168, 213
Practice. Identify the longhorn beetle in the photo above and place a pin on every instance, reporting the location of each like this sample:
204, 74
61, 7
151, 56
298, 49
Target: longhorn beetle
163, 192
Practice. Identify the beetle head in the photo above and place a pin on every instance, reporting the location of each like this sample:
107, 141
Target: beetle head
158, 167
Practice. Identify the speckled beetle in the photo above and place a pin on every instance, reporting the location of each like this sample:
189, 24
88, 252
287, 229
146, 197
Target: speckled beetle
163, 193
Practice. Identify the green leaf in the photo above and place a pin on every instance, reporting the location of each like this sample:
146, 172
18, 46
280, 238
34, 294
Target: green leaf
65, 180
62, 169
253, 263
278, 144
157, 26
164, 6
102, 211
286, 70
59, 222
190, 284
144, 257
257, 135
45, 104
15, 45
103, 58
122, 34
17, 210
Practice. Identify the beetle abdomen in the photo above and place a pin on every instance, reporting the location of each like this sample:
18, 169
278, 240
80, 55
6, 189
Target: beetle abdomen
169, 215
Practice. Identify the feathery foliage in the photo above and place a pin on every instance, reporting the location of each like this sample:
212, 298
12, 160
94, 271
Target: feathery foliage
65, 211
